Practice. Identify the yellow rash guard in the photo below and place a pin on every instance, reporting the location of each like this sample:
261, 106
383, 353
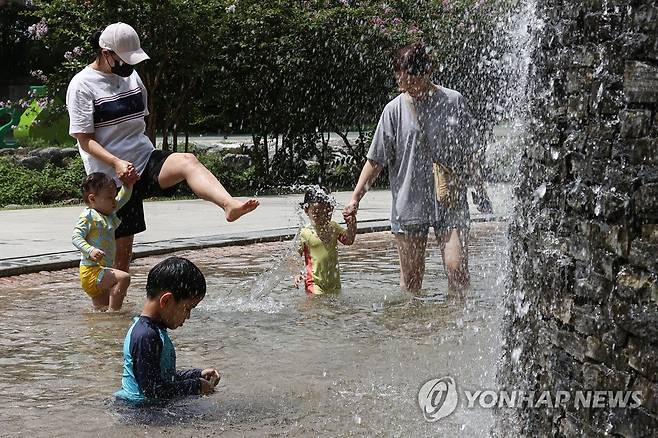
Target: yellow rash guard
322, 274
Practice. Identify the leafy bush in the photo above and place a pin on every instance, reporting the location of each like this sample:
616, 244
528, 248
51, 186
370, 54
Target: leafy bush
281, 69
22, 186
235, 181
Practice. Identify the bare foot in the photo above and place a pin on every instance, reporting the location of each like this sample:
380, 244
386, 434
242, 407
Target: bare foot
238, 208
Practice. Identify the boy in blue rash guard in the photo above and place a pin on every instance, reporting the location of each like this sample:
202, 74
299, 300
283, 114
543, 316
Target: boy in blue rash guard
174, 287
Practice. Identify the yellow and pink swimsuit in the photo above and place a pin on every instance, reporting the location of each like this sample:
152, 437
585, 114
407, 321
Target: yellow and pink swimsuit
321, 273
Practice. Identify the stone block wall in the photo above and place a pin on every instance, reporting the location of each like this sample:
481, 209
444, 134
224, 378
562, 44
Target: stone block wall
583, 292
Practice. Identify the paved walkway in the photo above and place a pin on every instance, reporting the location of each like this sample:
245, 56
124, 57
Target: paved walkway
40, 239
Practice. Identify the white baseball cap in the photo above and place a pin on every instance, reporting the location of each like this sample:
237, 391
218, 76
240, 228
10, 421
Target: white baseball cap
122, 39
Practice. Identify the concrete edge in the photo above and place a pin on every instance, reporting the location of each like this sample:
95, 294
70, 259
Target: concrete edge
71, 259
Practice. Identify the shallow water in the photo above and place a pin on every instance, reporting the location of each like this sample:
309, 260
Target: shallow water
349, 365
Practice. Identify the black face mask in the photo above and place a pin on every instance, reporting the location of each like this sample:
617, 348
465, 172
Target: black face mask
121, 68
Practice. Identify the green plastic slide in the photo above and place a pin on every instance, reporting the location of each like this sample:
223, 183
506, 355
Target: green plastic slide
37, 122
9, 117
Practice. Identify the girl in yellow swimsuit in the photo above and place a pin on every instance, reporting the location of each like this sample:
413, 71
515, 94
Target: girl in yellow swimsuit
318, 243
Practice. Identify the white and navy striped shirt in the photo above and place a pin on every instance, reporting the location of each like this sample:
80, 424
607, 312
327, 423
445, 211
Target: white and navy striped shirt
113, 109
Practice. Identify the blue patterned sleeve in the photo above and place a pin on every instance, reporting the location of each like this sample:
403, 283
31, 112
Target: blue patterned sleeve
194, 373
123, 196
80, 233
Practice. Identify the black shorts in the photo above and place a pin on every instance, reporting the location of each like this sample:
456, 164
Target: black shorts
147, 186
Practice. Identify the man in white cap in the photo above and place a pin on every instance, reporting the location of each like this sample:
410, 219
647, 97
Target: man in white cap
107, 103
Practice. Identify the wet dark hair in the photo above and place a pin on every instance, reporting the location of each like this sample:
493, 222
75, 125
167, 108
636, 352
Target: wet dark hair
94, 183
177, 275
317, 194
414, 59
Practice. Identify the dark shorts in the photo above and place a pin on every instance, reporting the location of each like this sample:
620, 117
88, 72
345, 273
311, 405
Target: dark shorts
147, 186
447, 219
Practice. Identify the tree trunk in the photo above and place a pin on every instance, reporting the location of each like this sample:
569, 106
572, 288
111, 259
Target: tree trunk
346, 141
187, 138
151, 121
150, 82
256, 156
175, 112
291, 155
267, 160
323, 161
165, 139
175, 135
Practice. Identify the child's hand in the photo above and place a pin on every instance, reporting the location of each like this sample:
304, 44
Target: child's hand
211, 375
299, 278
97, 254
206, 387
351, 208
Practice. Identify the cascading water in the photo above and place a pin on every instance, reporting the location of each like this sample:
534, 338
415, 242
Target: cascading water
579, 315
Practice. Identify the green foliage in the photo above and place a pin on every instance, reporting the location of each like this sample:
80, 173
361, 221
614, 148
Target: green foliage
19, 53
178, 35
34, 143
22, 186
285, 69
236, 182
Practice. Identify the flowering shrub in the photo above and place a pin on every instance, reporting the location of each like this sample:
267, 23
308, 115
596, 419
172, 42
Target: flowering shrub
22, 186
279, 69
38, 30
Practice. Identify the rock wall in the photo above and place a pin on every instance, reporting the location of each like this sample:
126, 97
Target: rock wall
582, 307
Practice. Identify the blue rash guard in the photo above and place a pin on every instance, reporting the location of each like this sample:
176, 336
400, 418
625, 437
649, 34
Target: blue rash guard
149, 366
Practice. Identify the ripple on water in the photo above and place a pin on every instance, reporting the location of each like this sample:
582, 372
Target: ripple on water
347, 364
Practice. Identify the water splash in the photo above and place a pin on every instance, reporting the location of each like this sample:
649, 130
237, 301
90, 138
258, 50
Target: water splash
265, 304
283, 266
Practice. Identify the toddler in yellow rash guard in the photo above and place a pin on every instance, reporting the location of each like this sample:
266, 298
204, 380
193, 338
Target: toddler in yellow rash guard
318, 243
93, 236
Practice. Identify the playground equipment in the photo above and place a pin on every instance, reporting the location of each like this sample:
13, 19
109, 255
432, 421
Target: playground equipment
34, 122
9, 117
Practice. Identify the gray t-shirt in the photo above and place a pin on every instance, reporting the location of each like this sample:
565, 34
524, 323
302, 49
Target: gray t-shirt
398, 144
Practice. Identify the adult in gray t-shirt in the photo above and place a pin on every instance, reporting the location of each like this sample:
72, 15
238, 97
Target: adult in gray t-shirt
426, 123
411, 134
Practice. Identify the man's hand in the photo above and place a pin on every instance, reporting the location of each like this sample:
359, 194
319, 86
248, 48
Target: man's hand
97, 255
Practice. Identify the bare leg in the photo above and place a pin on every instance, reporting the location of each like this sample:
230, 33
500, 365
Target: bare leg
455, 258
411, 249
117, 283
185, 167
124, 253
101, 301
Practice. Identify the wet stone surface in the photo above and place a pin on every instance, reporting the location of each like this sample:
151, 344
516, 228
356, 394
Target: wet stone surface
597, 308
